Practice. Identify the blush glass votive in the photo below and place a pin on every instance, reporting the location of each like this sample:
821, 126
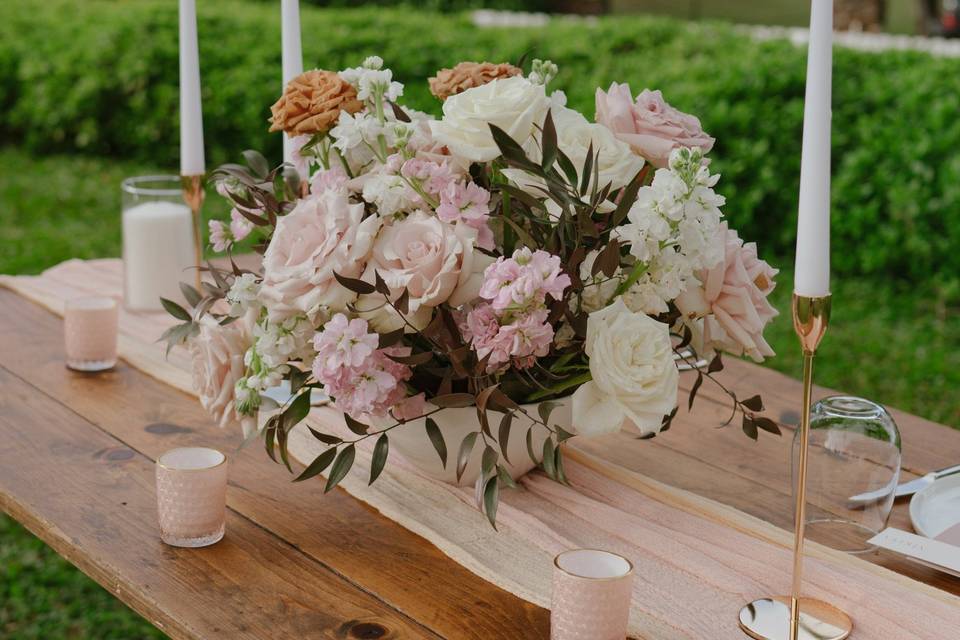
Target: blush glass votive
90, 333
192, 496
591, 595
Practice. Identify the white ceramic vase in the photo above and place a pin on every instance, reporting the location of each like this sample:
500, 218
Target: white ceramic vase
410, 440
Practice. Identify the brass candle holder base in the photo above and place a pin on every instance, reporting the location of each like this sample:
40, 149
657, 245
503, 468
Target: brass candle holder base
193, 195
792, 617
771, 619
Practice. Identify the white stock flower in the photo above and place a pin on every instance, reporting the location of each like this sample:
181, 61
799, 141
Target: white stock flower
514, 104
372, 79
243, 295
634, 375
389, 192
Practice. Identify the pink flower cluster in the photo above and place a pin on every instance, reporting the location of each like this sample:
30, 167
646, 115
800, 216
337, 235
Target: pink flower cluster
521, 283
469, 204
511, 327
222, 236
361, 378
459, 201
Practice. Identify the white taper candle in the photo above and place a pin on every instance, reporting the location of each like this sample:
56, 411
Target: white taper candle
191, 119
812, 277
292, 55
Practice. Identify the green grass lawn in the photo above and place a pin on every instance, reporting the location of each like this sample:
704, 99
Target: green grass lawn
888, 342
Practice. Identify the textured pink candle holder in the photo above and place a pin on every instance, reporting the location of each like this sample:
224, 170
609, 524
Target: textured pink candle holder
192, 496
90, 333
591, 595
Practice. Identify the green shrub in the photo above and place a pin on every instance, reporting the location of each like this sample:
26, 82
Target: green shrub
104, 81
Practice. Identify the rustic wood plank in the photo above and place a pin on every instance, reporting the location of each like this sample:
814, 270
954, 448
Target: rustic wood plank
340, 532
92, 499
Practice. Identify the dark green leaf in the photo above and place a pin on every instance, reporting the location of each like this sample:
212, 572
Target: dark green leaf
355, 425
399, 113
767, 424
716, 364
175, 310
505, 478
190, 294
318, 466
548, 142
454, 400
525, 238
694, 389
503, 436
324, 437
282, 446
491, 498
379, 459
509, 148
297, 410
750, 427
566, 165
436, 439
549, 461
466, 448
754, 403
355, 285
489, 460
297, 379
545, 409
341, 467
562, 434
558, 463
258, 164
484, 396
403, 302
587, 170
530, 452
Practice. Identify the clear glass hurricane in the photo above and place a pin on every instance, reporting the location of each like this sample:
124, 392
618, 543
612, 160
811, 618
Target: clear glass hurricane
852, 474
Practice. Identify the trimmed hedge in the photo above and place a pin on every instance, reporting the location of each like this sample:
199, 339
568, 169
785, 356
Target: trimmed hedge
100, 77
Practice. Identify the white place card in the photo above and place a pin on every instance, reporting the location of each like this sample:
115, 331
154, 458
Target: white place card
932, 553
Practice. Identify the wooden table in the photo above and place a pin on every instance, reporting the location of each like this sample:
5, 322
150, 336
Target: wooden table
76, 468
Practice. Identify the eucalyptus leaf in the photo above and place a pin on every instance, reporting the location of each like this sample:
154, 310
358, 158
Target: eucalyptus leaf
463, 456
355, 425
355, 285
324, 437
503, 436
436, 439
489, 460
318, 466
175, 310
549, 462
341, 467
379, 459
491, 499
190, 294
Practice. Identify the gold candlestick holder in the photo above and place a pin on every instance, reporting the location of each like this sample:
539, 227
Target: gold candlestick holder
193, 195
794, 617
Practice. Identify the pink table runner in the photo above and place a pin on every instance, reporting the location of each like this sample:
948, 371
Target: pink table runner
697, 561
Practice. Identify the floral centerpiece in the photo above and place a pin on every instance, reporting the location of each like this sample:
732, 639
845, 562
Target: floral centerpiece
536, 274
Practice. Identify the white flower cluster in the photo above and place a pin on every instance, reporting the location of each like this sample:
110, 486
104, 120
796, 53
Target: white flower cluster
671, 228
371, 80
244, 295
542, 72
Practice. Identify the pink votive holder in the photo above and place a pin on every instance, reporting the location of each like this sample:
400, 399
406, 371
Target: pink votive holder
90, 333
192, 496
591, 595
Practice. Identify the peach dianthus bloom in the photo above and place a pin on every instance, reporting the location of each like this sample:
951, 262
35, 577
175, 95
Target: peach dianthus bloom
467, 75
311, 103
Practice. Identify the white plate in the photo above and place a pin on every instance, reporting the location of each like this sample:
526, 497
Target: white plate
936, 508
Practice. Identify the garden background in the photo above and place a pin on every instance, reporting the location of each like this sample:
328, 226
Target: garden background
89, 95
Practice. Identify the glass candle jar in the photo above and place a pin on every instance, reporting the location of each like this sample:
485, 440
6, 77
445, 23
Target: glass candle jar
159, 248
192, 496
853, 472
90, 333
591, 597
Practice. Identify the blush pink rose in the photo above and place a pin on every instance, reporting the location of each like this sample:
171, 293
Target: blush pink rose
436, 262
648, 124
324, 234
732, 299
217, 353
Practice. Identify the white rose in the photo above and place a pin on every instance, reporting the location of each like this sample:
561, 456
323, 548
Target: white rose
514, 104
617, 164
634, 375
324, 234
436, 263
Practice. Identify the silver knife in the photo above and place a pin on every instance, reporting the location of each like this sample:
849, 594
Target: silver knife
907, 488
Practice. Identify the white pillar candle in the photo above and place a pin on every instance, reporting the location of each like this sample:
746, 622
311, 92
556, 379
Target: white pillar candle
292, 55
191, 120
812, 276
157, 253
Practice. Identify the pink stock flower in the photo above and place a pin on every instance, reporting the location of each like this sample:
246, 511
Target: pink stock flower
523, 281
733, 299
328, 179
343, 343
240, 227
469, 204
520, 342
435, 177
220, 236
649, 125
362, 379
481, 324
